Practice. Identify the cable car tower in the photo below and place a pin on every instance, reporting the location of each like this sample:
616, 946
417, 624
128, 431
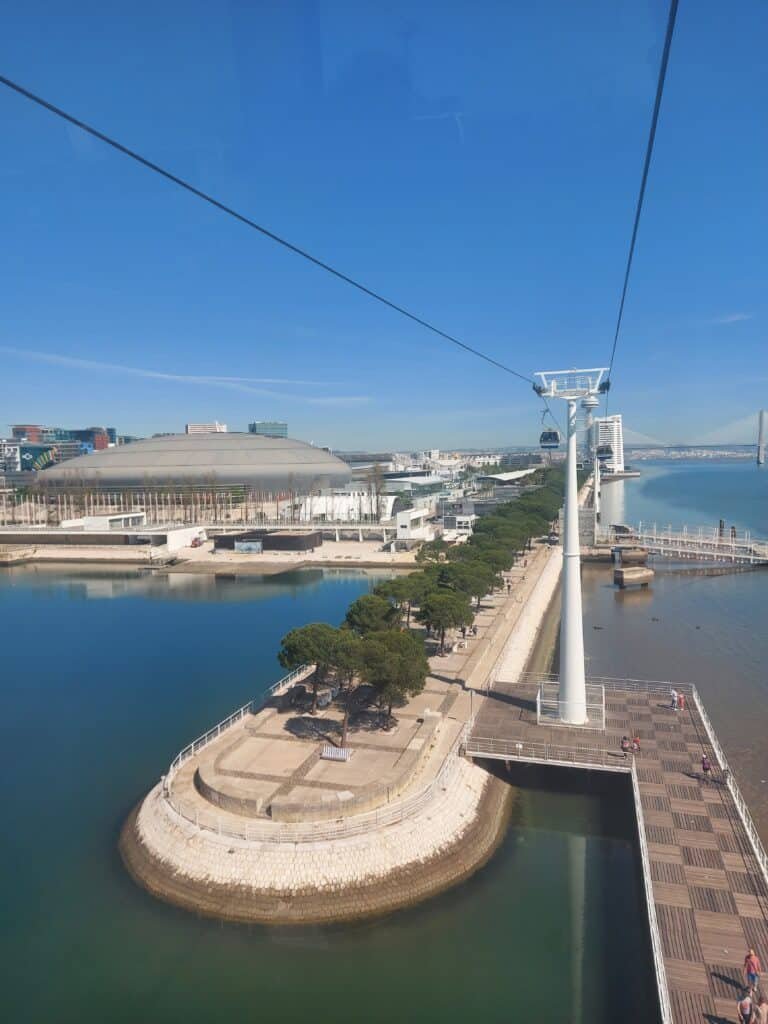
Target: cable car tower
589, 404
572, 386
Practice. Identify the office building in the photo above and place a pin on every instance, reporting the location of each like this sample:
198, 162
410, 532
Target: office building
206, 428
94, 438
268, 428
608, 431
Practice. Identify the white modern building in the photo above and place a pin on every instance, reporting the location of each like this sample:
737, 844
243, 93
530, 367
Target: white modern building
206, 428
608, 431
414, 524
10, 457
343, 507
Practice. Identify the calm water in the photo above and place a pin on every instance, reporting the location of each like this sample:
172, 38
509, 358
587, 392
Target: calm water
105, 677
712, 631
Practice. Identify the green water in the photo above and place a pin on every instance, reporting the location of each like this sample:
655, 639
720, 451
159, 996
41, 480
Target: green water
105, 676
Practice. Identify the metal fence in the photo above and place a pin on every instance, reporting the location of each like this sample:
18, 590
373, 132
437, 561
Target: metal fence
544, 753
549, 707
702, 542
253, 705
342, 828
738, 799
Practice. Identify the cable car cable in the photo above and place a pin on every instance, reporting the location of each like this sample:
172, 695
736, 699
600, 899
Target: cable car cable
646, 166
256, 227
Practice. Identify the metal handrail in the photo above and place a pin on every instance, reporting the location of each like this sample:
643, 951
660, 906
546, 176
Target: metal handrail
738, 799
704, 541
258, 702
609, 682
547, 753
665, 1005
342, 828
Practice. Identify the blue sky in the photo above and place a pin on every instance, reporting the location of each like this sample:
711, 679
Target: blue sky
478, 163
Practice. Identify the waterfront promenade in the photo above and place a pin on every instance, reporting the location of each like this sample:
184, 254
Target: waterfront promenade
703, 863
252, 822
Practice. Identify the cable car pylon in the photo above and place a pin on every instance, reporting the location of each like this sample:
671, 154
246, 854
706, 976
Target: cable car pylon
572, 387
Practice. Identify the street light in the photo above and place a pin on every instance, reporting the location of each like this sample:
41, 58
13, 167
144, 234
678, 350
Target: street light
572, 386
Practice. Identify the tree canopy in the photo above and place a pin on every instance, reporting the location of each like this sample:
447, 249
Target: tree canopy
313, 643
395, 664
372, 613
445, 609
406, 591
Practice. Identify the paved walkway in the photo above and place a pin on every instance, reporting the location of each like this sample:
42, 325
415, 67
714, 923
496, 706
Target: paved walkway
709, 891
274, 755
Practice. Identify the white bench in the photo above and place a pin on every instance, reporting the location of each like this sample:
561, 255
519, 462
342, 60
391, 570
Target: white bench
331, 753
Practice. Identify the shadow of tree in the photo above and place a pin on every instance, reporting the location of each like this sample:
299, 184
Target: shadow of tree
373, 720
306, 727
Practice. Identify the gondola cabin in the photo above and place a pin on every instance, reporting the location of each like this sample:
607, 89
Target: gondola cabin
549, 439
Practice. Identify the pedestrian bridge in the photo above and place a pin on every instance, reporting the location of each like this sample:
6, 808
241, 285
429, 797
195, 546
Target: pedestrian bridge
705, 870
702, 544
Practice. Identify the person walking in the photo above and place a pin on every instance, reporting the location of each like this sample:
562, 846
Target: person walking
681, 702
625, 745
509, 588
636, 745
706, 768
673, 699
752, 969
745, 1008
761, 1011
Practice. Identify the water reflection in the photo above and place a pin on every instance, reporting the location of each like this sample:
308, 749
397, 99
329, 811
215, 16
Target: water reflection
613, 503
106, 584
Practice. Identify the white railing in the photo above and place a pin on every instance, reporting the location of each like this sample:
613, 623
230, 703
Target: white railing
704, 542
607, 682
738, 799
192, 748
549, 706
658, 953
341, 828
545, 753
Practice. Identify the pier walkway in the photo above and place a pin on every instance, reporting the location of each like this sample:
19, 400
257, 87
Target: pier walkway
704, 867
700, 545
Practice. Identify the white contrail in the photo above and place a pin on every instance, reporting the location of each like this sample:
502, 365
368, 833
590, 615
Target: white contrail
231, 383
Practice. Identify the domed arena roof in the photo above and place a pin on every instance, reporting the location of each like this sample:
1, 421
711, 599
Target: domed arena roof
250, 460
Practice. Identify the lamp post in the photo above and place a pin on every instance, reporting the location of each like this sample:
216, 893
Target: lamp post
571, 386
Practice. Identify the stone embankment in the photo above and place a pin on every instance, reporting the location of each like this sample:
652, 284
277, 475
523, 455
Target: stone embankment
330, 880
454, 813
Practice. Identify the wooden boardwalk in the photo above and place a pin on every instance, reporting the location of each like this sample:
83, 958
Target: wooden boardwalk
709, 894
